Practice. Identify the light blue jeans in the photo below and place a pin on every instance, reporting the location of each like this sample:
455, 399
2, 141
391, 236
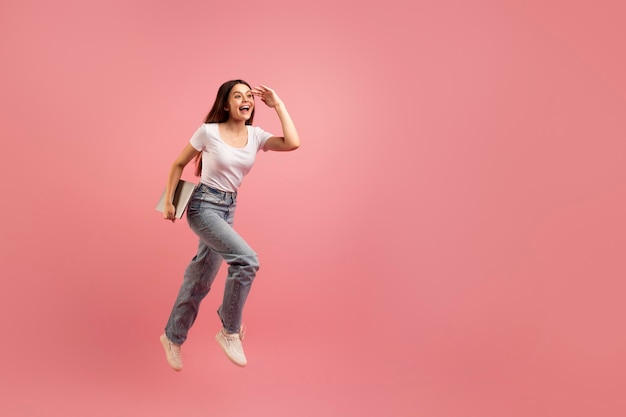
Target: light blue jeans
210, 215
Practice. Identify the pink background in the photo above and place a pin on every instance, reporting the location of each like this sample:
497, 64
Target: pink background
448, 241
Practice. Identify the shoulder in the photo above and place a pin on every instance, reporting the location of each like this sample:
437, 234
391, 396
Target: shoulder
259, 136
203, 135
210, 129
256, 131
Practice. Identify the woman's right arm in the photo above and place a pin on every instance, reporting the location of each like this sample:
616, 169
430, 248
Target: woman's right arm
169, 213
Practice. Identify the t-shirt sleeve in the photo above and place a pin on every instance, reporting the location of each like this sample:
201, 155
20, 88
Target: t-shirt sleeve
261, 136
199, 139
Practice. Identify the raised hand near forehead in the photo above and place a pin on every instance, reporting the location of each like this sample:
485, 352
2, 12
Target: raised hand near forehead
267, 95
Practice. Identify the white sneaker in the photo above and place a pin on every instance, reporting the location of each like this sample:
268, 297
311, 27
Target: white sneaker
231, 343
172, 353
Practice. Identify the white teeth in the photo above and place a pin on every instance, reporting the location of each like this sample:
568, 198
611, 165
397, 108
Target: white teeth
244, 108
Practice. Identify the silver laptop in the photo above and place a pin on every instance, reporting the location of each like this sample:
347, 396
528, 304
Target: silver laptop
182, 195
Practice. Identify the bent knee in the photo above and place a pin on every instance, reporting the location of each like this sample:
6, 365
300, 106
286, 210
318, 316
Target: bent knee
248, 261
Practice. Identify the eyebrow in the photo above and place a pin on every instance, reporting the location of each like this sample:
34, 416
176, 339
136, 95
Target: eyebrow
241, 92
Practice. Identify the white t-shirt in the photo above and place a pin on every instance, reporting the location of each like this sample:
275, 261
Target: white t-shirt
223, 166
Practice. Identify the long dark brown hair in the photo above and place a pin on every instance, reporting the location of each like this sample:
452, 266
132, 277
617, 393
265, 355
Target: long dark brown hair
219, 114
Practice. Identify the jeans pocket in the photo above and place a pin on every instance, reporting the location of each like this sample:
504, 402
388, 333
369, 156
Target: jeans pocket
202, 199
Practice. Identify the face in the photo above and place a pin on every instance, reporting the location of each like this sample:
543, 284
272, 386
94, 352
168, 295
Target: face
240, 102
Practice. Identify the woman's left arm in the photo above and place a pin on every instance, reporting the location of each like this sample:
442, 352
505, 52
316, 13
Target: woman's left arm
290, 139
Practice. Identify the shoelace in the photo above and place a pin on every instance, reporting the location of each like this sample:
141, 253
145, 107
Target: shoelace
174, 348
233, 341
